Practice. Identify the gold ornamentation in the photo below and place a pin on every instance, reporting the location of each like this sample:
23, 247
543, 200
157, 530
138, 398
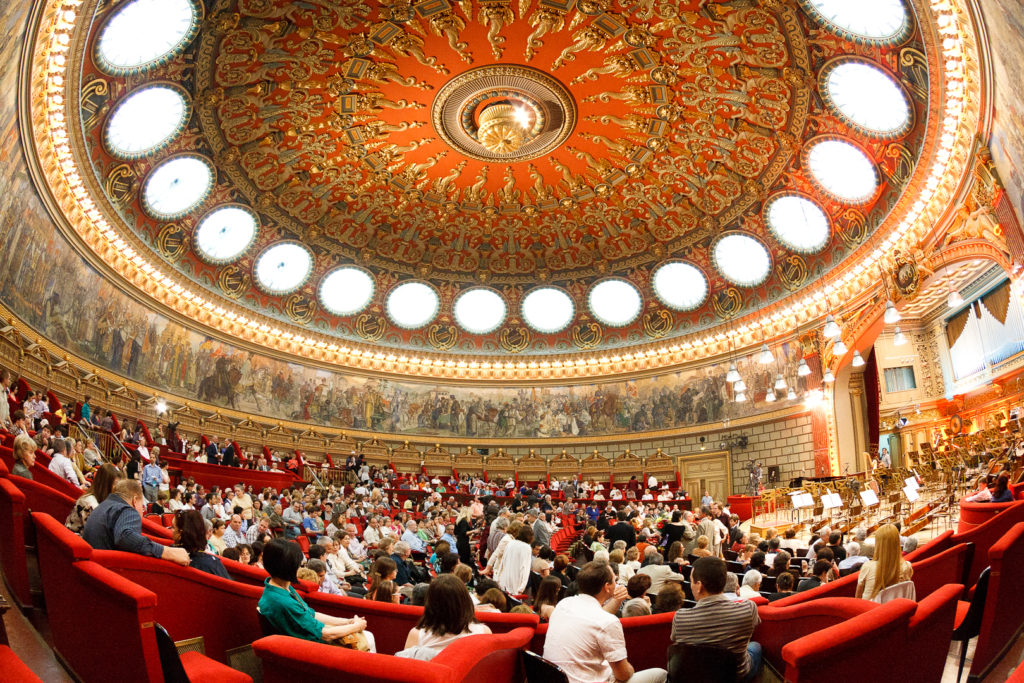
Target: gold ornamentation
300, 308
495, 15
657, 323
171, 241
371, 326
514, 339
442, 336
792, 271
120, 184
499, 131
587, 335
233, 281
727, 303
94, 96
855, 227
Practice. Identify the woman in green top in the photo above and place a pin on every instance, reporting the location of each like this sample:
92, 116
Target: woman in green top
287, 612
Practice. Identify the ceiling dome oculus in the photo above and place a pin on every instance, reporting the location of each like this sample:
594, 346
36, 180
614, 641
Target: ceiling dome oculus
742, 260
346, 290
842, 170
283, 268
145, 33
548, 310
145, 121
868, 97
876, 21
177, 186
615, 302
797, 223
225, 233
480, 310
680, 286
413, 304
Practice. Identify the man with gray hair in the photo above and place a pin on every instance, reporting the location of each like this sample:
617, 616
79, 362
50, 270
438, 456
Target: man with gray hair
860, 534
853, 557
542, 530
659, 572
401, 553
411, 539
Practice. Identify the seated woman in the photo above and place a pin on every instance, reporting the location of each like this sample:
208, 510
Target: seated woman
384, 570
190, 534
751, 584
102, 484
288, 613
447, 616
702, 547
548, 593
24, 456
1001, 492
888, 566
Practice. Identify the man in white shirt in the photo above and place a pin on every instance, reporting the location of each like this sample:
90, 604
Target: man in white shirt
233, 535
372, 533
60, 464
586, 640
409, 536
356, 550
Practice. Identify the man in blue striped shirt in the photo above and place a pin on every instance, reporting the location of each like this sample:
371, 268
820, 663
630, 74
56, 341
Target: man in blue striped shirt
116, 524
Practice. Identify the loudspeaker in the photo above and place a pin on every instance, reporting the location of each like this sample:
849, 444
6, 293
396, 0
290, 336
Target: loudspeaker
773, 473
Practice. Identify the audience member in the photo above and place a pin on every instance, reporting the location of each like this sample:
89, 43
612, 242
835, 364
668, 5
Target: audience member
116, 524
447, 616
24, 455
887, 569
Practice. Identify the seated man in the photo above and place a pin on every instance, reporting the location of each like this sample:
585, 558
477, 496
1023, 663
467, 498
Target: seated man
717, 621
585, 640
412, 538
116, 524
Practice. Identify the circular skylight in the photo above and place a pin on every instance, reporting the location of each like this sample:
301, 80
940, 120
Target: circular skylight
867, 96
548, 310
145, 33
413, 304
283, 268
177, 186
798, 223
614, 302
680, 286
742, 260
480, 310
225, 233
145, 121
871, 20
346, 291
843, 171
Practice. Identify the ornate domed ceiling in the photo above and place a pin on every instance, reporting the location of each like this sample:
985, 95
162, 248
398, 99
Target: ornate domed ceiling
503, 177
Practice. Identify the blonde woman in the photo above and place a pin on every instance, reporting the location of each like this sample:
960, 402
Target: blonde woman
887, 569
24, 456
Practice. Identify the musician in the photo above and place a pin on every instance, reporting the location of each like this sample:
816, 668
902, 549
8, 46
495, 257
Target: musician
755, 478
885, 460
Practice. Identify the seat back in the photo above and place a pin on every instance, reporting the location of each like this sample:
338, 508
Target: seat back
903, 589
490, 658
782, 625
986, 536
947, 567
970, 625
647, 638
13, 559
41, 498
928, 635
170, 660
701, 664
1000, 623
540, 670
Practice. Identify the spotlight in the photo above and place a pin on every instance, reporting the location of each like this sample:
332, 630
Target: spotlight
733, 375
898, 339
161, 406
831, 330
802, 369
780, 382
892, 316
766, 356
858, 360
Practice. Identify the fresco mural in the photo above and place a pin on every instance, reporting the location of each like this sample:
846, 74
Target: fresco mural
49, 286
1007, 142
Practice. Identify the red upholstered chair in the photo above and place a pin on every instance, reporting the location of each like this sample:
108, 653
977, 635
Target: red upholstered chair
490, 658
7, 457
928, 636
13, 560
223, 612
782, 625
939, 570
389, 623
42, 475
647, 639
843, 587
1002, 617
245, 573
156, 530
931, 548
985, 536
869, 644
41, 498
13, 669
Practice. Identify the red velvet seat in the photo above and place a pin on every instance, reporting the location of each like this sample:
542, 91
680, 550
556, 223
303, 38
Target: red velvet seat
781, 625
1003, 616
473, 659
928, 636
13, 669
843, 587
868, 644
647, 639
13, 560
43, 499
948, 567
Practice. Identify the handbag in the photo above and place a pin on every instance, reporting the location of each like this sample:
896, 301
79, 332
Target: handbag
355, 641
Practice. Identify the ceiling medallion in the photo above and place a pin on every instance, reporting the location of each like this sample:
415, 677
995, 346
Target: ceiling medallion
504, 113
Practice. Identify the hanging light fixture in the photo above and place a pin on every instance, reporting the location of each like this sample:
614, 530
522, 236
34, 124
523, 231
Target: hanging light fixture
839, 348
858, 360
802, 368
953, 299
898, 339
770, 396
892, 316
766, 356
828, 378
780, 382
741, 397
739, 386
791, 394
733, 375
831, 329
